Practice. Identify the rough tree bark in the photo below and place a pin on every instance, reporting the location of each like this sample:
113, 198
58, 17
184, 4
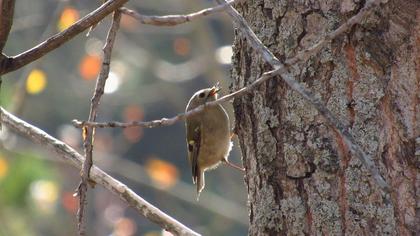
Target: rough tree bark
301, 177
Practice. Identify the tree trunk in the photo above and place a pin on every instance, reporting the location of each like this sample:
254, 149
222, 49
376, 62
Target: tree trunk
300, 175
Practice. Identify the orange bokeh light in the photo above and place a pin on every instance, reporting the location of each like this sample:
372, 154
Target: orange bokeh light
133, 112
70, 203
133, 134
128, 22
68, 17
89, 67
4, 167
182, 46
163, 173
125, 227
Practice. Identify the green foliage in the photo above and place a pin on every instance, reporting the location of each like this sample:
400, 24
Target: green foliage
23, 169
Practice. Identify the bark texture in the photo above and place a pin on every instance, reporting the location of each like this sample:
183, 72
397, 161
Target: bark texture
301, 177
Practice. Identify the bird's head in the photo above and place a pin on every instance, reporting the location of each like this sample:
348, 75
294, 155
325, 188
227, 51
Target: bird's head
205, 95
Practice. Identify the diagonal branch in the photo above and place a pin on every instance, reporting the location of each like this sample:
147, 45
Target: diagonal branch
88, 132
171, 20
9, 64
6, 20
282, 70
72, 157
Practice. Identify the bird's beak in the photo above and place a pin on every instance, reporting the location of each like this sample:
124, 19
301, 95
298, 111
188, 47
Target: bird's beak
214, 90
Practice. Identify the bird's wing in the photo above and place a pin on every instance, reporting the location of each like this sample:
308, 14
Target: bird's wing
193, 142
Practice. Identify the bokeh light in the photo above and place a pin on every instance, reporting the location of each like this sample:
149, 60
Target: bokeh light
68, 17
124, 227
128, 22
166, 233
36, 81
70, 202
112, 83
182, 46
163, 173
224, 54
44, 193
133, 113
4, 167
90, 66
180, 72
113, 213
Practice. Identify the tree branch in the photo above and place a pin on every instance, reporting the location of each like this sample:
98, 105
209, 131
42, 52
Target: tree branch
170, 121
172, 20
88, 132
6, 20
72, 157
9, 64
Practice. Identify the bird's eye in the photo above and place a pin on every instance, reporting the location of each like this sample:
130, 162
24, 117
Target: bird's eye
201, 95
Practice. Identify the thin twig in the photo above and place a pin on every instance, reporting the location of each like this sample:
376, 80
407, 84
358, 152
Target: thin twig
171, 20
6, 20
144, 124
72, 157
307, 94
88, 132
9, 64
179, 117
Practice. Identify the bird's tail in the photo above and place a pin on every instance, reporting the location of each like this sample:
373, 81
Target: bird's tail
200, 183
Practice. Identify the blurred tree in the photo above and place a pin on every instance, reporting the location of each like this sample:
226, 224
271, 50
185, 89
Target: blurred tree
301, 177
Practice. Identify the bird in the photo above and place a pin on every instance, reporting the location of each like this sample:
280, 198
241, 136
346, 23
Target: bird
208, 136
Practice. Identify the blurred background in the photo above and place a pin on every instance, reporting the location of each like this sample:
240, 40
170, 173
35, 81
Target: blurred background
154, 72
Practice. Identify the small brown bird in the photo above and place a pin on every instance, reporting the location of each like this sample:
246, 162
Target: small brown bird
208, 136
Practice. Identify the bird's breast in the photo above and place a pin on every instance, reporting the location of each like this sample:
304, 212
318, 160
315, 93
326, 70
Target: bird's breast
216, 143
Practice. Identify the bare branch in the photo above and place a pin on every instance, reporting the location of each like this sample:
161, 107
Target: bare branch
307, 94
6, 20
13, 63
179, 117
171, 20
72, 157
88, 132
170, 121
144, 124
